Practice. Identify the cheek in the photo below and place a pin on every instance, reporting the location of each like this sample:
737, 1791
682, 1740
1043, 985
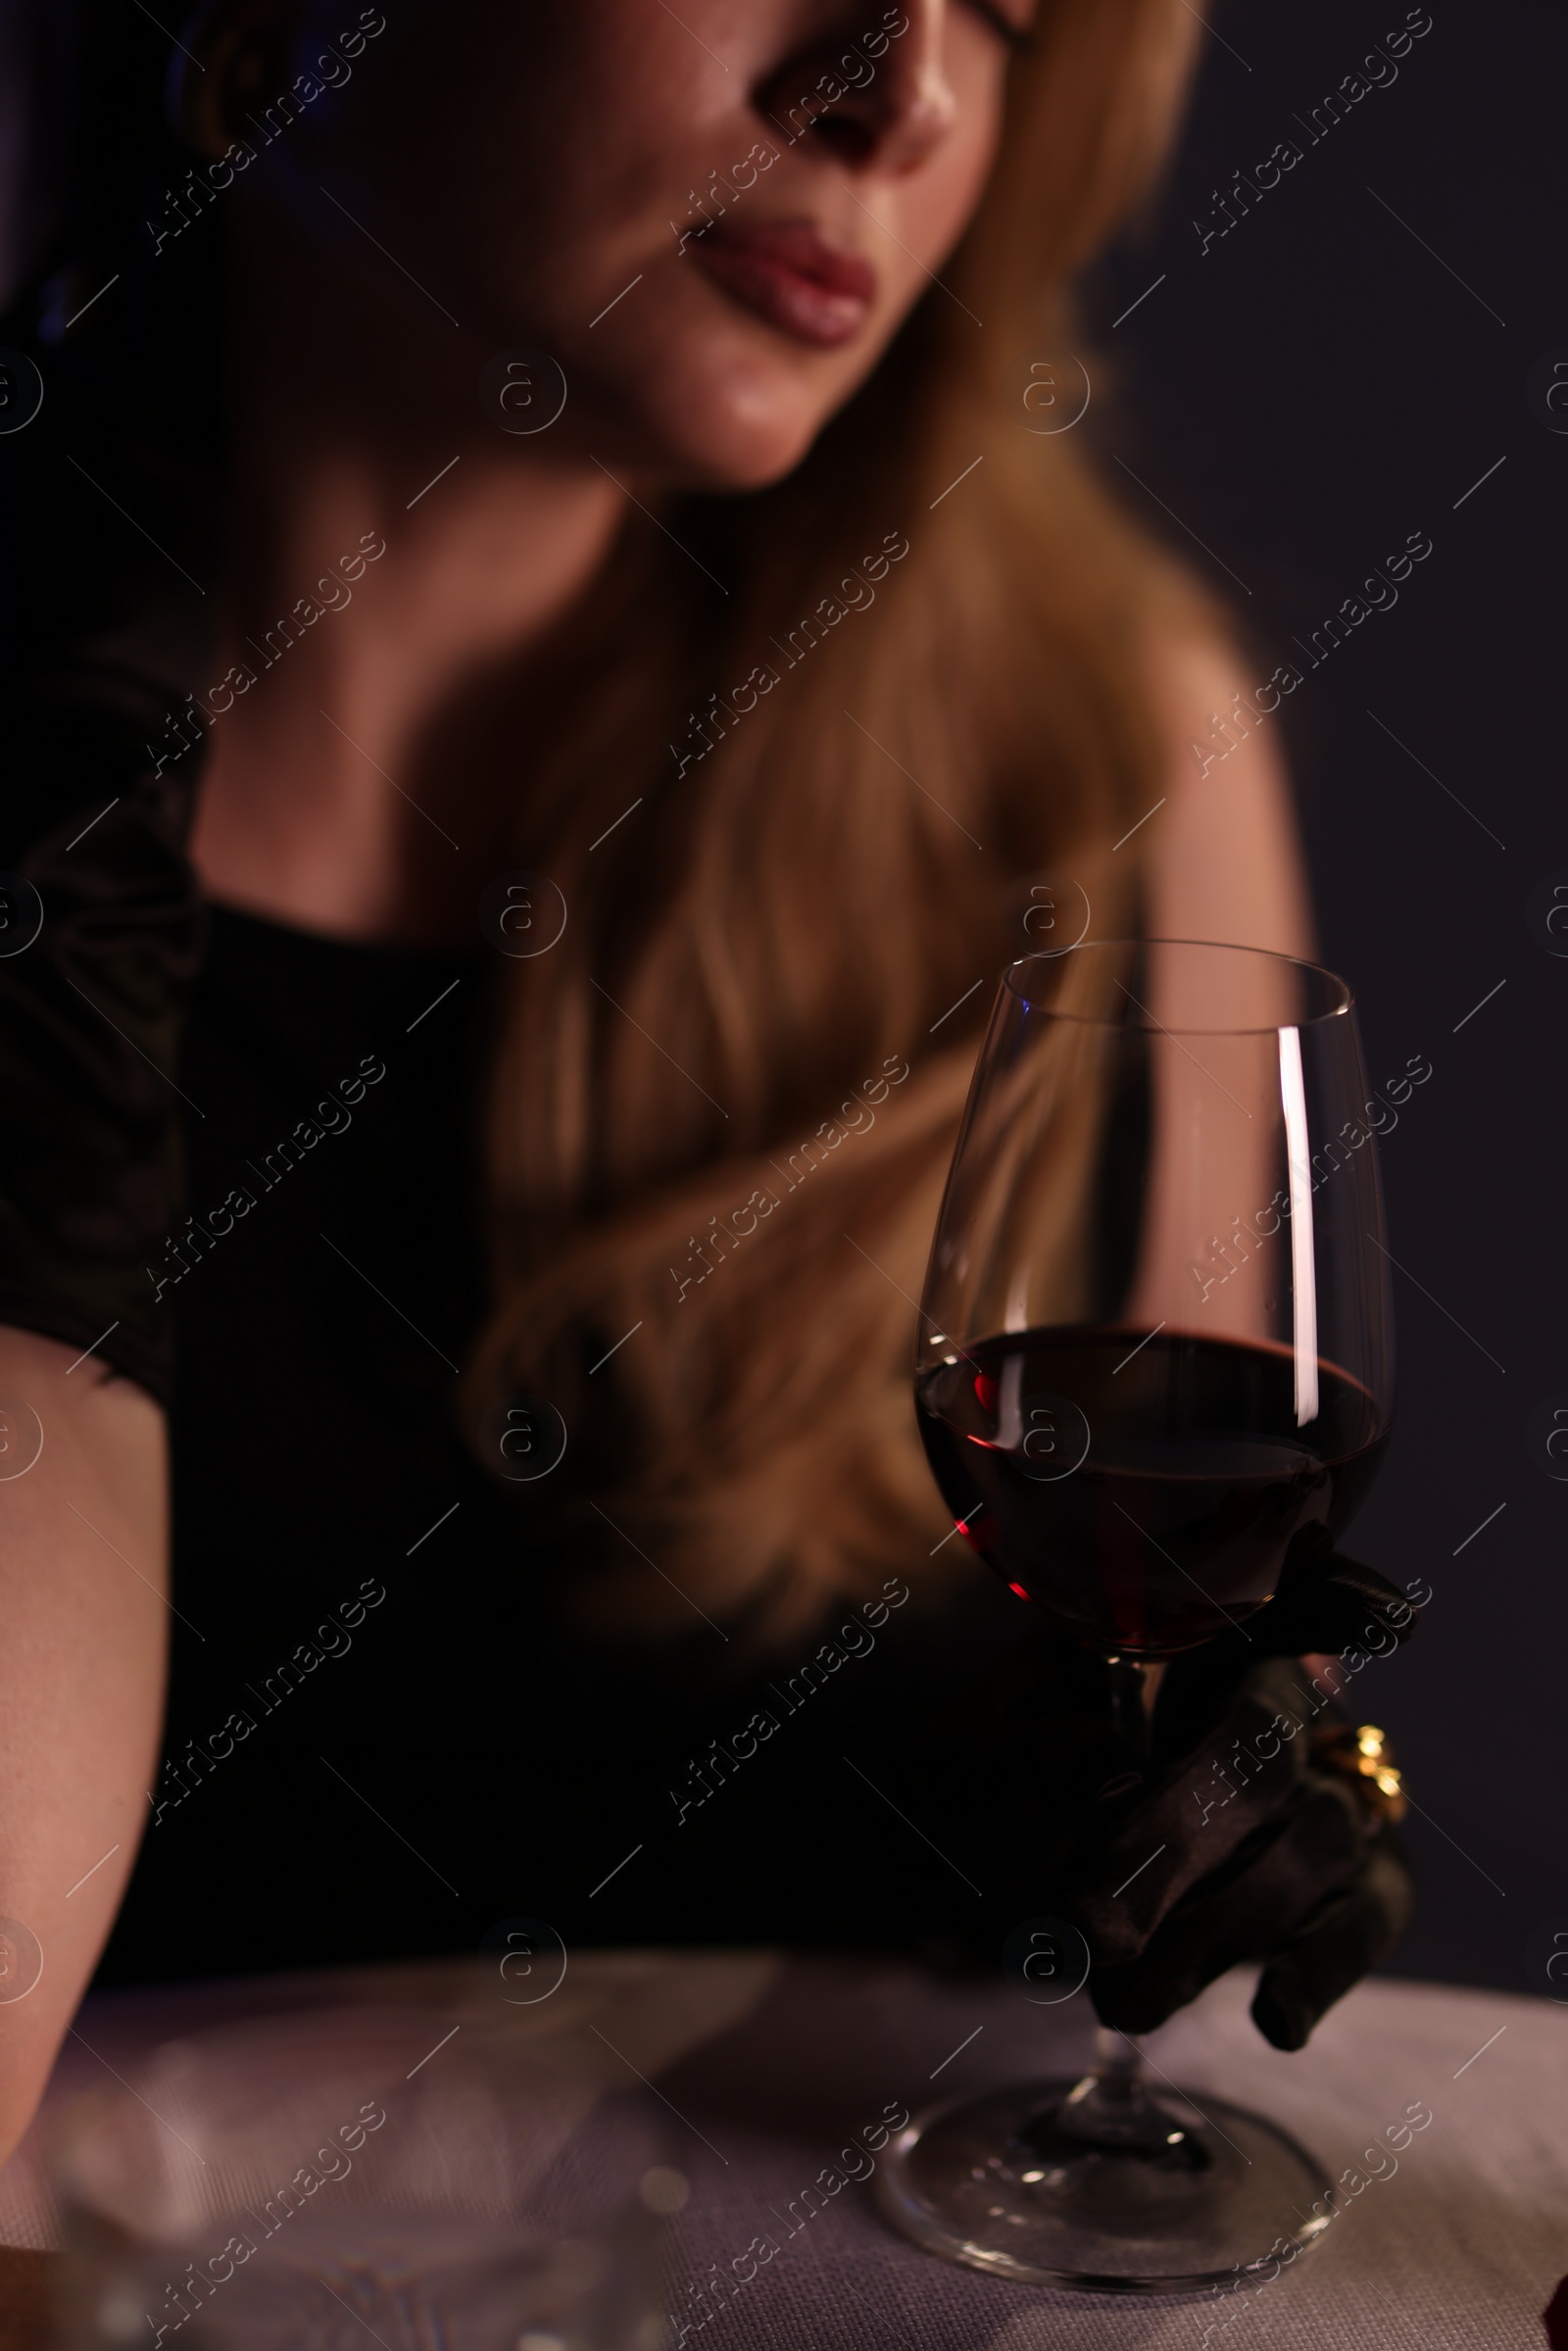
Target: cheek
976, 72
933, 208
920, 217
508, 175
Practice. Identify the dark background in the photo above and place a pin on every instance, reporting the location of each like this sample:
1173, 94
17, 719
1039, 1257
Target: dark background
1304, 395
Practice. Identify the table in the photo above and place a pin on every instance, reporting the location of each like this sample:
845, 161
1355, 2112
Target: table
773, 2061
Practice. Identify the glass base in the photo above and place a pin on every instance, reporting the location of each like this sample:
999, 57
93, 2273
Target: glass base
1038, 2181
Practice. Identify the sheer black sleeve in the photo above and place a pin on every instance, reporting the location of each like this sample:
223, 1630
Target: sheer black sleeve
103, 638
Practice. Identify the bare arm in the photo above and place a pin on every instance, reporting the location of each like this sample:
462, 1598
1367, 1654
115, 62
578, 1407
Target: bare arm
83, 1574
1225, 861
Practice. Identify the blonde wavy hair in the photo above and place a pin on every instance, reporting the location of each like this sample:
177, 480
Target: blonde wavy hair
754, 955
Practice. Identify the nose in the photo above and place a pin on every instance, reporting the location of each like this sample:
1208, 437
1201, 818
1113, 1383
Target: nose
890, 112
910, 105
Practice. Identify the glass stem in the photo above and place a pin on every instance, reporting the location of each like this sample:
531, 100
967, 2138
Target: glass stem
1112, 2098
1109, 2107
1134, 1689
1118, 2057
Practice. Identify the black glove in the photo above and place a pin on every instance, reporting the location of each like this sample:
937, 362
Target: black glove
1244, 1847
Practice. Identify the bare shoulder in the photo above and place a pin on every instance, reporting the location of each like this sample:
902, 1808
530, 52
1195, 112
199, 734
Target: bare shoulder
1223, 857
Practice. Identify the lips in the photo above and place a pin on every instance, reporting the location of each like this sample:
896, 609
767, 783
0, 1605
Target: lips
787, 272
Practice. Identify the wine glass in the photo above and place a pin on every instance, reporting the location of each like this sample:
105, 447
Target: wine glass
1155, 1343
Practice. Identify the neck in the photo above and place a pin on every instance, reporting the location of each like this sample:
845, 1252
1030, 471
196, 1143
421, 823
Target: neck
393, 558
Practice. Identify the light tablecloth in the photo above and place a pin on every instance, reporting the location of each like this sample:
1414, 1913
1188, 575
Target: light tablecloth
769, 2065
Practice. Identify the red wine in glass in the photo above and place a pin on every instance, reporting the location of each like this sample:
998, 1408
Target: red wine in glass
1143, 1492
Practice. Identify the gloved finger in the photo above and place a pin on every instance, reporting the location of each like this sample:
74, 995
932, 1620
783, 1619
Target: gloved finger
1269, 1892
1325, 1602
1191, 1825
1335, 1948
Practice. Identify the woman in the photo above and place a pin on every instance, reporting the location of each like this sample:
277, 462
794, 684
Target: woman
625, 508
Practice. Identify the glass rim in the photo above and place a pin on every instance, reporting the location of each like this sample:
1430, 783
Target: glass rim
1334, 1011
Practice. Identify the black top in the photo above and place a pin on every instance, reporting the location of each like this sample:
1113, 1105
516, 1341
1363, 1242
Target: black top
382, 1739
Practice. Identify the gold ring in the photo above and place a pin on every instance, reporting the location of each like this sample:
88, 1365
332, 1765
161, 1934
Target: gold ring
1359, 1754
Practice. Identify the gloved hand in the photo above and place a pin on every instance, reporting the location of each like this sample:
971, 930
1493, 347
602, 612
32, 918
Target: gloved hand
1241, 1847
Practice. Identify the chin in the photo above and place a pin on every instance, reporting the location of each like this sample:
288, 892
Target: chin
727, 413
743, 445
